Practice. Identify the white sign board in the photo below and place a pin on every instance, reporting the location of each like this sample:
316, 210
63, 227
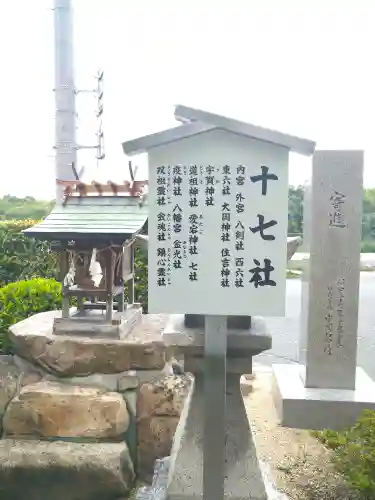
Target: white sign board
218, 207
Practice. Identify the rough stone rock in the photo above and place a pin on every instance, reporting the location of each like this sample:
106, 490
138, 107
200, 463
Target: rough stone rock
50, 409
12, 378
155, 438
75, 355
9, 381
107, 381
133, 379
164, 397
64, 471
159, 406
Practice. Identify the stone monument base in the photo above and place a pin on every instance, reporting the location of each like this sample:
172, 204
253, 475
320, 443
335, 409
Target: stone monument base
94, 323
243, 478
242, 343
306, 408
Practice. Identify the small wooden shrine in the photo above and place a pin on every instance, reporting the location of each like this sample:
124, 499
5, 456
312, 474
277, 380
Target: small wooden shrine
94, 231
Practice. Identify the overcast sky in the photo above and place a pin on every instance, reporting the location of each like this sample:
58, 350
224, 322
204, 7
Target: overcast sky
302, 67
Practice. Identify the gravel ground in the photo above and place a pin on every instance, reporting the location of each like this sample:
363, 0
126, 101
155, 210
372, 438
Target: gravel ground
299, 464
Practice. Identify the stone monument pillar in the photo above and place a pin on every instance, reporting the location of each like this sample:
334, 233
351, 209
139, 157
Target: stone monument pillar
327, 389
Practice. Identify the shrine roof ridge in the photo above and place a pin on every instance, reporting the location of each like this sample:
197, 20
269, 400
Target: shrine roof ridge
195, 122
100, 216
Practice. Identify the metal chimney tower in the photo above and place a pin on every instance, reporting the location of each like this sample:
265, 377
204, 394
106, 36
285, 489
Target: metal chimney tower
65, 96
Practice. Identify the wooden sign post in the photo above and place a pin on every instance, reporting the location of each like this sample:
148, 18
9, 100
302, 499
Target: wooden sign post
218, 201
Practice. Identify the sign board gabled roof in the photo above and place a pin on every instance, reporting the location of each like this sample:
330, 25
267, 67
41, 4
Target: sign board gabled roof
99, 217
295, 144
195, 121
144, 144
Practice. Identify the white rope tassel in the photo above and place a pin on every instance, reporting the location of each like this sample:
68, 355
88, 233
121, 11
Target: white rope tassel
95, 269
70, 275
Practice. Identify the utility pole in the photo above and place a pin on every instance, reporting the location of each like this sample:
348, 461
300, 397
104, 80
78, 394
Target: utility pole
65, 96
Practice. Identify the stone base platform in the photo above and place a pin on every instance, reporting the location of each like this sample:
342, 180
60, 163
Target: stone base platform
87, 411
190, 341
317, 409
94, 323
80, 355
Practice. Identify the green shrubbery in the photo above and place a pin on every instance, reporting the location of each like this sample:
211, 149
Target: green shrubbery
354, 453
368, 246
23, 258
23, 299
141, 279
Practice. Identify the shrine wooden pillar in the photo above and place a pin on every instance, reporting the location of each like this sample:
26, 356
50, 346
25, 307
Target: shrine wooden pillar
109, 279
64, 268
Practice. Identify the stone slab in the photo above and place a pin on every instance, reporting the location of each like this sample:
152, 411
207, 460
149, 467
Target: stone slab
93, 323
243, 476
317, 409
240, 343
330, 286
64, 471
68, 355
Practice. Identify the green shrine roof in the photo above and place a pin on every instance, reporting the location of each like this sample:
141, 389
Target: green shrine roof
102, 217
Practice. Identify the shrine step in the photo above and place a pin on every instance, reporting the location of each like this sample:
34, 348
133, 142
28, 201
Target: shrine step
100, 306
95, 324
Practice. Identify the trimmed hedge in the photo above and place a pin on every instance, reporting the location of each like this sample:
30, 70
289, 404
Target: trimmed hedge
24, 298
